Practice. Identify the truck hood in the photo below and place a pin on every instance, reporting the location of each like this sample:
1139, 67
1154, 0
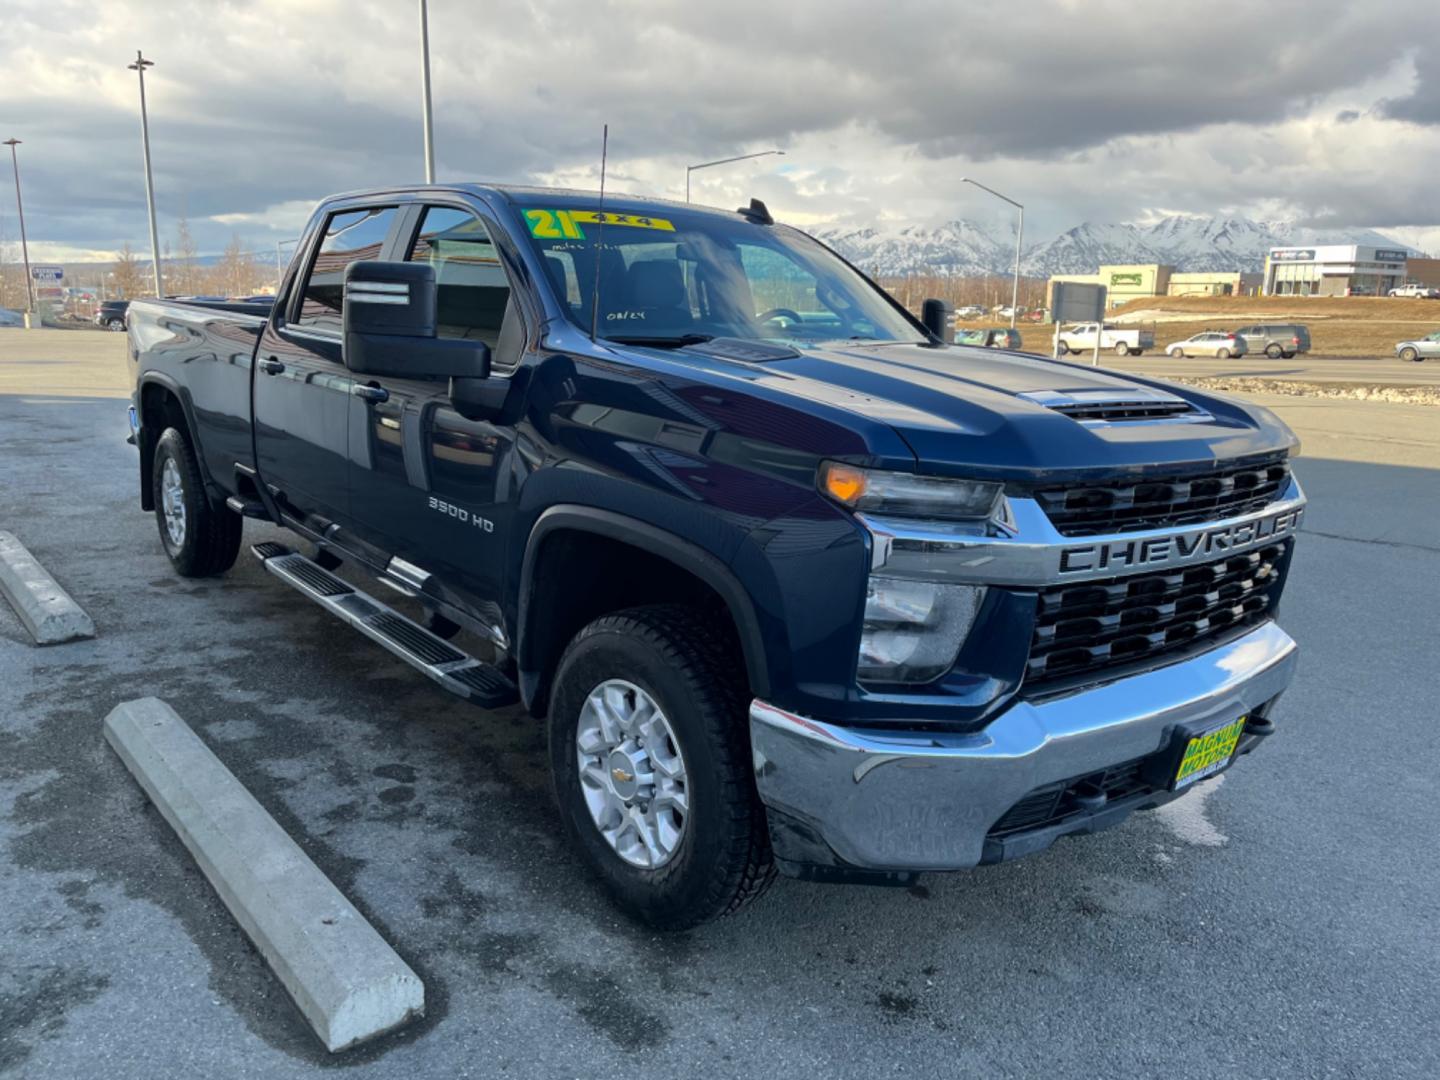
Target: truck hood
961, 410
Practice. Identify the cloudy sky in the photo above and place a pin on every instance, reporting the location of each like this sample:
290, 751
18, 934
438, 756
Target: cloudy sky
1322, 111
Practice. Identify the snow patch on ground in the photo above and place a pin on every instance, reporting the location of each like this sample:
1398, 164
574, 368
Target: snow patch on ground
1400, 395
1185, 817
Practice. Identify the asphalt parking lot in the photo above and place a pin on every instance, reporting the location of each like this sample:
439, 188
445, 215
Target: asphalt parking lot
1283, 921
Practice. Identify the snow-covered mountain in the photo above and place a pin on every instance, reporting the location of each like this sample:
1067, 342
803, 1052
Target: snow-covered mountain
1187, 243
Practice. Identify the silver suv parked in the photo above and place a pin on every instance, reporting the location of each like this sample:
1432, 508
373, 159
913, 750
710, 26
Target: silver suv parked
1276, 339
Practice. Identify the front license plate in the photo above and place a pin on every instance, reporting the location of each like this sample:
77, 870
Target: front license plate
1207, 753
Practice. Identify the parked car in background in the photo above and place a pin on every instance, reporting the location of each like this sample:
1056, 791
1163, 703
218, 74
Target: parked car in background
1276, 339
1417, 292
1220, 344
11, 318
111, 314
969, 311
1122, 341
1002, 337
1420, 348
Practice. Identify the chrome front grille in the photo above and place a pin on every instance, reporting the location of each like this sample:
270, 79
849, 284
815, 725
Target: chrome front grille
1087, 628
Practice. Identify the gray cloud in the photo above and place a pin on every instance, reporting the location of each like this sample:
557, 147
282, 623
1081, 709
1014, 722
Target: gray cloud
1421, 105
1093, 110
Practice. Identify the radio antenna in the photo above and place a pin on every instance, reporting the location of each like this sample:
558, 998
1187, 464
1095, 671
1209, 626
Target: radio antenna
599, 235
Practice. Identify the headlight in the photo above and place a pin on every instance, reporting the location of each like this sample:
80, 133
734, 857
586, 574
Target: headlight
914, 629
908, 495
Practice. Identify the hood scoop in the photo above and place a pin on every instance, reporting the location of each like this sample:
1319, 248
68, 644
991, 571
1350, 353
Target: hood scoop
1134, 406
746, 350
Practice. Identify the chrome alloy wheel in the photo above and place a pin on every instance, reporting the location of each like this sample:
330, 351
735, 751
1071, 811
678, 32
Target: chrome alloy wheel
172, 502
632, 774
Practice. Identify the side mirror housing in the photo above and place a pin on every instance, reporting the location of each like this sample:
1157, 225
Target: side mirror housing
938, 317
390, 324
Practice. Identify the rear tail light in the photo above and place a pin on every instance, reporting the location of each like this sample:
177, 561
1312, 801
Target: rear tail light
1294, 341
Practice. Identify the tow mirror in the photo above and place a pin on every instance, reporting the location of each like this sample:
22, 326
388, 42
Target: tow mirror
939, 318
390, 323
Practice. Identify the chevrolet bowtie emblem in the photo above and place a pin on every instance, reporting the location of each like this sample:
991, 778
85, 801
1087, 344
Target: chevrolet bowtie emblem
621, 776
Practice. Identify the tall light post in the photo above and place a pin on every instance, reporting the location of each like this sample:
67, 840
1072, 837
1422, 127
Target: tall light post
139, 67
723, 161
425, 83
1019, 239
20, 210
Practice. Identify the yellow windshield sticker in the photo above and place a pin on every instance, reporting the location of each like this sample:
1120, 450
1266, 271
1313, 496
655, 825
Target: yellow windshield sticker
565, 224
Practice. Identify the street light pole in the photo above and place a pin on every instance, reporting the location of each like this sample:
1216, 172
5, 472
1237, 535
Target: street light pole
425, 83
139, 67
723, 161
1019, 238
20, 210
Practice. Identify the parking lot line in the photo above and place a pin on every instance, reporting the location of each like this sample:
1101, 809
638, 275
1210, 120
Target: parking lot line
46, 609
347, 981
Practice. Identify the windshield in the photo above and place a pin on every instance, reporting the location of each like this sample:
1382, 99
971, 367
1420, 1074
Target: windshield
689, 277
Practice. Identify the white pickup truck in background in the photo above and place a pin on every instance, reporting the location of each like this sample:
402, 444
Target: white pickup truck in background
1123, 341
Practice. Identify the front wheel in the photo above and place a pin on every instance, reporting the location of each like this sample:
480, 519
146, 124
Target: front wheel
202, 539
650, 759
1177, 354
1061, 349
1410, 354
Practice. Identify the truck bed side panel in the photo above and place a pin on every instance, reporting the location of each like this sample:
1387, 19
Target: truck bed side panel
204, 356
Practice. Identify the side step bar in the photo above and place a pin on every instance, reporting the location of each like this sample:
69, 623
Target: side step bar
459, 672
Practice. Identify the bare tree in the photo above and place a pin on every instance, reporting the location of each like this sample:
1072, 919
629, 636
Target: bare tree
235, 273
130, 275
185, 270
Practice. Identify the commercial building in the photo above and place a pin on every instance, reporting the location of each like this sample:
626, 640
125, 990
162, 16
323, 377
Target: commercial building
1423, 272
1142, 281
1334, 270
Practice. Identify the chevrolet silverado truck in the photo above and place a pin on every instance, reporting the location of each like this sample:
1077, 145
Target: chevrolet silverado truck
793, 584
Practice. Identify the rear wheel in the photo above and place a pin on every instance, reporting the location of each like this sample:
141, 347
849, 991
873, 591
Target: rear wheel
1122, 349
202, 539
1274, 352
1222, 354
1410, 354
115, 324
650, 760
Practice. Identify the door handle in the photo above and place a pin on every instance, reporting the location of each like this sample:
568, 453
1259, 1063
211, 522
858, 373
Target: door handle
370, 392
271, 366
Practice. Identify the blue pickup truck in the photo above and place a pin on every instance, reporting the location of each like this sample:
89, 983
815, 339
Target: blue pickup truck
793, 583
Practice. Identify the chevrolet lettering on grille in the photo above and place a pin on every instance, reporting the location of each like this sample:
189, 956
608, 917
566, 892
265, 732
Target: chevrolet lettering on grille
1177, 549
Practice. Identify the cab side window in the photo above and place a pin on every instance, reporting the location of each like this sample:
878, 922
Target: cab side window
350, 236
473, 293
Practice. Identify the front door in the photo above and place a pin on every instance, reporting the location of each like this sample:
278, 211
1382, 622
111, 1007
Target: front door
303, 393
427, 485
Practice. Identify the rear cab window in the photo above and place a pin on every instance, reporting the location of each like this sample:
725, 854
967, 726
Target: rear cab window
350, 236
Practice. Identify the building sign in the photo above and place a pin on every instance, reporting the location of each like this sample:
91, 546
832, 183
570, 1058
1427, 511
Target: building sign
1126, 279
1389, 256
1293, 255
47, 273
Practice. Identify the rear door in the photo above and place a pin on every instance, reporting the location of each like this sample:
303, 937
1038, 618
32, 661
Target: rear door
427, 485
302, 389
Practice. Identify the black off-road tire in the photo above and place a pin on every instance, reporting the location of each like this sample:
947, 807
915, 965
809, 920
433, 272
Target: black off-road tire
694, 673
211, 534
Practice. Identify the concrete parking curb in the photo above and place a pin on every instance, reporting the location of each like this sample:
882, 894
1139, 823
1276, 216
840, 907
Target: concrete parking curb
349, 984
44, 607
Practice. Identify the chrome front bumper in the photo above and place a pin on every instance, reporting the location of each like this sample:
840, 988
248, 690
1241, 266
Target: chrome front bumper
890, 800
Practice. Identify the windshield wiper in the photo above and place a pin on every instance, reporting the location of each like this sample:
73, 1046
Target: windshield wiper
675, 341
